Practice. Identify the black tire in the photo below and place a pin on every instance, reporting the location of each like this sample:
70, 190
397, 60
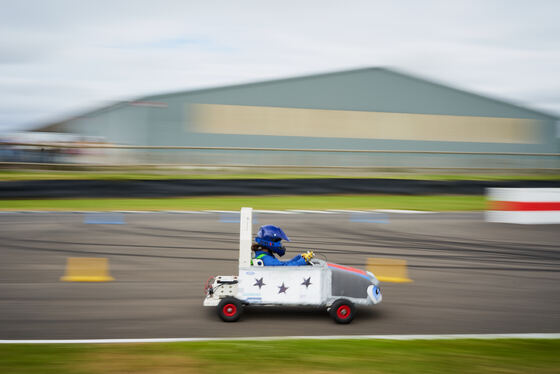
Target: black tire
342, 311
230, 309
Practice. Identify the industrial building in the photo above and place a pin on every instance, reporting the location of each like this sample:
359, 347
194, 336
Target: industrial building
364, 109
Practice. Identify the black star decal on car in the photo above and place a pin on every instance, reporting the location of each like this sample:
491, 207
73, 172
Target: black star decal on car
259, 282
306, 282
283, 288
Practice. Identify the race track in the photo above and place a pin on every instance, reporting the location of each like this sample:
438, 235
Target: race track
469, 276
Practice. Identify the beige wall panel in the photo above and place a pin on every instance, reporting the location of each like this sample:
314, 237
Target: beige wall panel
255, 120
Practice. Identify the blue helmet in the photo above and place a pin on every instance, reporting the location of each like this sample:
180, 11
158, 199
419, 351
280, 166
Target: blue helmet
270, 237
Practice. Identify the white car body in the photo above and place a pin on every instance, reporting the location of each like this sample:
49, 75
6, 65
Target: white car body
319, 284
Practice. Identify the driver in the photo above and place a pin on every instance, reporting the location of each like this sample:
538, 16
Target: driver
269, 241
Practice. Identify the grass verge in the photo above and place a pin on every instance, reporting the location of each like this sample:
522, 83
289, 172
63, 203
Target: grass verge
426, 203
304, 356
16, 175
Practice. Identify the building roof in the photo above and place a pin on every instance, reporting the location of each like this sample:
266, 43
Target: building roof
370, 89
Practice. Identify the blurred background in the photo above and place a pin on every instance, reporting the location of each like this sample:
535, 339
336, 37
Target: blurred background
374, 119
420, 133
476, 81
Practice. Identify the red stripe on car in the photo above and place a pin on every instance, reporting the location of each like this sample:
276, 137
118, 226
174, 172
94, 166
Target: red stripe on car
347, 268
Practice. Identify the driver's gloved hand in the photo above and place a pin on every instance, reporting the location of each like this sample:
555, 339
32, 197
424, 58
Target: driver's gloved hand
308, 255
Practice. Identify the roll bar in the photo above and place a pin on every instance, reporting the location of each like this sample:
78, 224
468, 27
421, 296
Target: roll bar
245, 236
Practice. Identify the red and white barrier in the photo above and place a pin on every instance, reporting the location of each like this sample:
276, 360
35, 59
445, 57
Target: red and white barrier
523, 205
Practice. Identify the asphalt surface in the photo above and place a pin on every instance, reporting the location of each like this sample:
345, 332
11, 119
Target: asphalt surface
469, 276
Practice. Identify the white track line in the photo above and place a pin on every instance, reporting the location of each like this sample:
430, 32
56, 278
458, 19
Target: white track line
222, 211
346, 211
268, 338
183, 211
311, 211
126, 211
293, 211
402, 211
274, 211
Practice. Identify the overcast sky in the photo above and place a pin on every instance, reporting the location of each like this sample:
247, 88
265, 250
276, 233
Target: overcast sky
59, 58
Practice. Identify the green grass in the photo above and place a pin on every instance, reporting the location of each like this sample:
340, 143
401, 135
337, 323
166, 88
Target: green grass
15, 175
428, 203
299, 356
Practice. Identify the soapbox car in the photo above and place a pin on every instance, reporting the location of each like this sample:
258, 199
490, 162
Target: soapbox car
335, 287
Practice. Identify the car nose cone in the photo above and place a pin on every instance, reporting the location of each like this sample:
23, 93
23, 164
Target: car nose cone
374, 294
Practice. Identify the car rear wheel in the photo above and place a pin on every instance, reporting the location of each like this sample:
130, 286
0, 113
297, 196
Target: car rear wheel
342, 311
230, 309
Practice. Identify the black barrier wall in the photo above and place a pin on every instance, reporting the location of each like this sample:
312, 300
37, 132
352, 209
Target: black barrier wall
246, 187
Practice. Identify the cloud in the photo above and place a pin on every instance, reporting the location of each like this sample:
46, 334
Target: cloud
66, 55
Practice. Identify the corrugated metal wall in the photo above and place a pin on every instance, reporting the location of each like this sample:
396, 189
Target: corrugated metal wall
361, 109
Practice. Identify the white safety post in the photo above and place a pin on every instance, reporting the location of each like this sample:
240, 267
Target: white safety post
245, 236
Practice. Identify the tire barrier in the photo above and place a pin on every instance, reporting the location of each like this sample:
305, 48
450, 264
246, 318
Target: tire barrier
249, 187
523, 205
